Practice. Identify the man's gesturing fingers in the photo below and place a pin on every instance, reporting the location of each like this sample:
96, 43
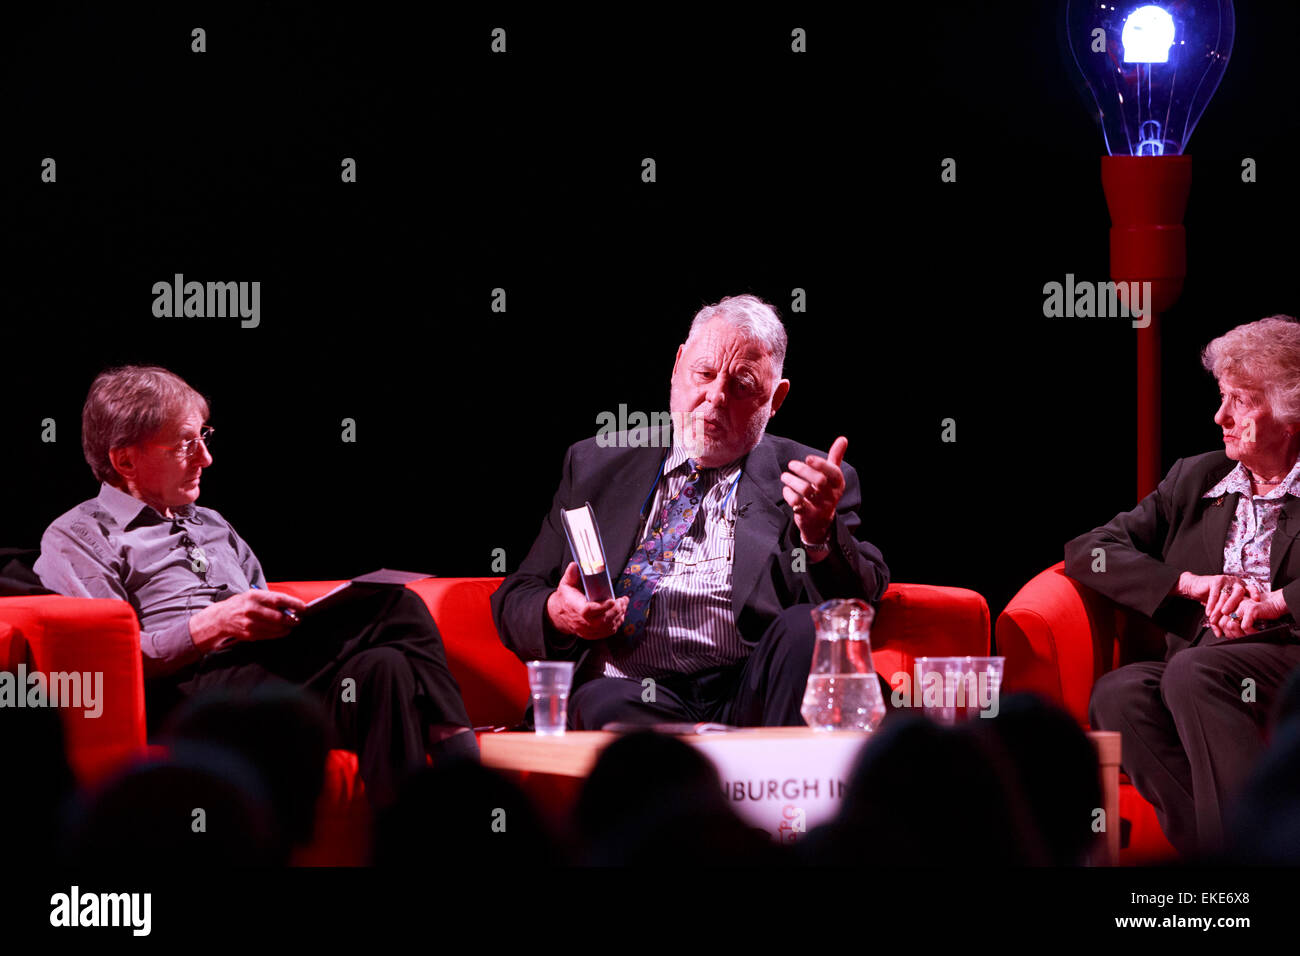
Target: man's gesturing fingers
824, 473
804, 480
813, 488
796, 501
836, 456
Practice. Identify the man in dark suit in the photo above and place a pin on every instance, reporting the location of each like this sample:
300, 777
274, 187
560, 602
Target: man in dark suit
1210, 557
723, 542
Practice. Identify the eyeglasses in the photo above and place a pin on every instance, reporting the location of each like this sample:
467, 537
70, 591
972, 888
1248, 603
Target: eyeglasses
187, 449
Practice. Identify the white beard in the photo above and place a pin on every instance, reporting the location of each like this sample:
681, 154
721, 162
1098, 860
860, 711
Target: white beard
696, 444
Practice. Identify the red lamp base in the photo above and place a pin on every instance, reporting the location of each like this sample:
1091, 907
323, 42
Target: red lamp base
1147, 198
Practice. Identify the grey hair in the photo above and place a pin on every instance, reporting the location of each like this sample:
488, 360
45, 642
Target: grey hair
1264, 354
128, 405
756, 318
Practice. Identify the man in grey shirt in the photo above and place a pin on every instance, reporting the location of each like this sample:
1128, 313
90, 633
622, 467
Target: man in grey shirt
206, 617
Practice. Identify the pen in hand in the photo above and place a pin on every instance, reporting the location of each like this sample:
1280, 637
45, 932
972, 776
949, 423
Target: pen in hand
287, 612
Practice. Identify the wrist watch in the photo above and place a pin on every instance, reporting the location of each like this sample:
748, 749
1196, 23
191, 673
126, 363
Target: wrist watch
823, 548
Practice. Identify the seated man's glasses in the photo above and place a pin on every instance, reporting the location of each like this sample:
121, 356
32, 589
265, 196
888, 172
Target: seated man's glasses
187, 449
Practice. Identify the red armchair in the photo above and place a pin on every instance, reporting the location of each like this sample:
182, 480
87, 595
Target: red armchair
57, 633
1058, 637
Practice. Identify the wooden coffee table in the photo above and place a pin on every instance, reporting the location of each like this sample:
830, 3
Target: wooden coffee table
552, 768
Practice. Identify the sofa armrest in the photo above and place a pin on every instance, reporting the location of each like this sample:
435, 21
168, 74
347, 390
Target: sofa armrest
927, 620
493, 681
99, 637
1051, 642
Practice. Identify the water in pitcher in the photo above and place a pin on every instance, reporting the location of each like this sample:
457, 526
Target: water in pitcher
842, 702
843, 692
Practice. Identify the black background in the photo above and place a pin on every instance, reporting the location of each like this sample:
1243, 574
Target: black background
775, 171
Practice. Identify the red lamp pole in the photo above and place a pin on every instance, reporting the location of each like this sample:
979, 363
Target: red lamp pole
1147, 198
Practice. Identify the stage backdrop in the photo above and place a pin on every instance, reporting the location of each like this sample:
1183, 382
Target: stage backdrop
463, 259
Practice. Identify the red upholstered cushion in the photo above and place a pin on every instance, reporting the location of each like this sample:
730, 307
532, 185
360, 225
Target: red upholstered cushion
493, 681
342, 836
63, 634
1045, 634
926, 620
1058, 637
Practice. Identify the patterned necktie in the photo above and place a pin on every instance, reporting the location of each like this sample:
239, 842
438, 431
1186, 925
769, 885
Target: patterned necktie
652, 560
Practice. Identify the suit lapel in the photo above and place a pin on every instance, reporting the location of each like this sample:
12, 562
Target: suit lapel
761, 515
1218, 515
1288, 526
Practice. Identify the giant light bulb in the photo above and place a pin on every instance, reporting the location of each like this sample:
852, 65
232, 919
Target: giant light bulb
1151, 67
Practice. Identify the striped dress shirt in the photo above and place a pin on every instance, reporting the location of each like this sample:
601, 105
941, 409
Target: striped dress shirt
690, 626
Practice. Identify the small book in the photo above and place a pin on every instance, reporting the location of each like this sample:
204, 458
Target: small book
588, 551
365, 584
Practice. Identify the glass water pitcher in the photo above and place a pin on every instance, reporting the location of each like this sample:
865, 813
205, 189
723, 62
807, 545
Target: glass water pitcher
843, 691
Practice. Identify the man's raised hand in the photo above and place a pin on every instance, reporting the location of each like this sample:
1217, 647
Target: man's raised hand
812, 490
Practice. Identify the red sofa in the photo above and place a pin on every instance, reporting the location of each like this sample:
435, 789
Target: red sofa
1058, 637
78, 634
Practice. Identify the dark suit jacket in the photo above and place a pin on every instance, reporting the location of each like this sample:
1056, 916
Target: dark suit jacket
16, 573
616, 481
1172, 530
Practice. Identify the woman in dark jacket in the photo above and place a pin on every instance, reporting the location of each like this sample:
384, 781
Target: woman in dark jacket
1209, 556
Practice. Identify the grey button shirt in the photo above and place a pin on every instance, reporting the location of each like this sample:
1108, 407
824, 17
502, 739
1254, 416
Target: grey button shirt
116, 546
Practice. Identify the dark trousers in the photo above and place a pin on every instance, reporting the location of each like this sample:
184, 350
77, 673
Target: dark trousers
1191, 728
388, 646
765, 690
